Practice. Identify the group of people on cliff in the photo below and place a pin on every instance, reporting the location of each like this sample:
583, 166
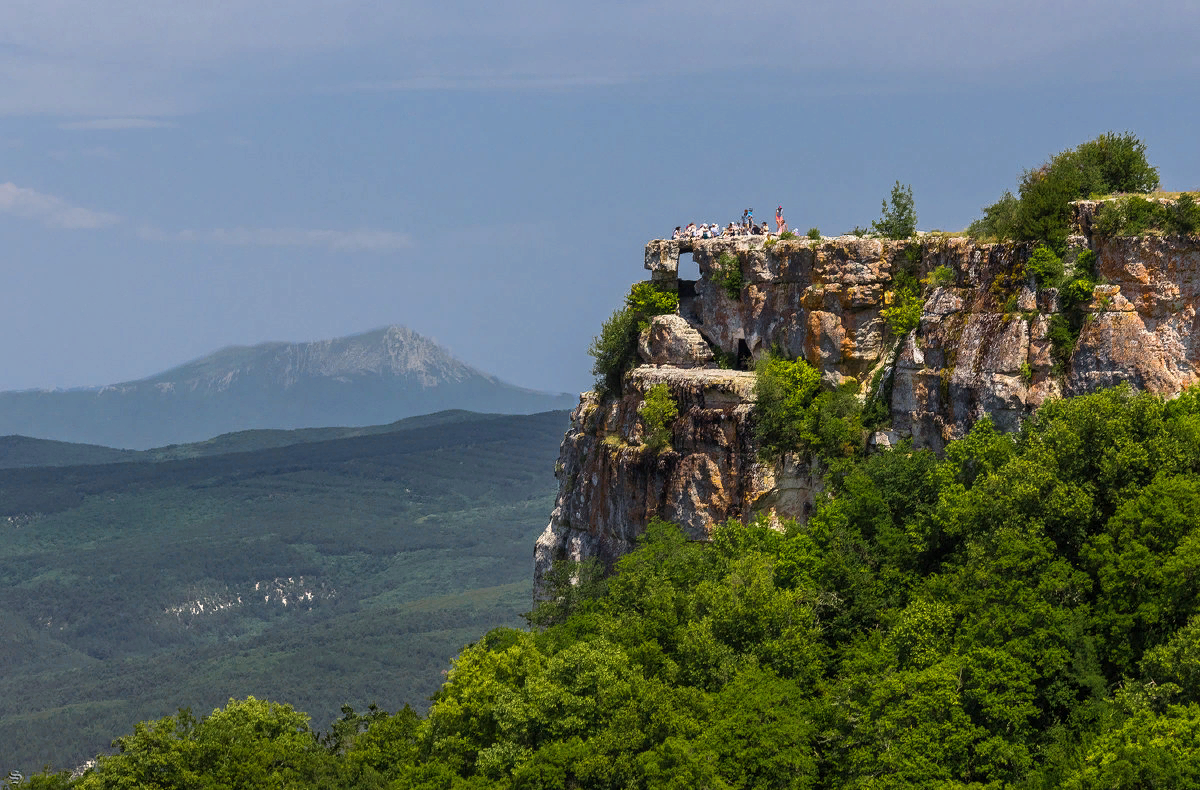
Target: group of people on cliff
747, 227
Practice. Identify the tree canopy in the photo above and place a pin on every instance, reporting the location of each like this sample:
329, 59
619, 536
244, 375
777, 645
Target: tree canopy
1024, 612
1111, 163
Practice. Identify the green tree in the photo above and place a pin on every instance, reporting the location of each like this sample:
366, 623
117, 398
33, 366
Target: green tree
615, 348
898, 220
247, 744
1109, 163
783, 392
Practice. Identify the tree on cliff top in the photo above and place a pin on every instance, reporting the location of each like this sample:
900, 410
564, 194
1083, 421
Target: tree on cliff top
615, 348
1041, 211
899, 220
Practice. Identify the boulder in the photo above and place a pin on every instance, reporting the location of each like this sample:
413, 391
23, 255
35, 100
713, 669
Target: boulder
670, 340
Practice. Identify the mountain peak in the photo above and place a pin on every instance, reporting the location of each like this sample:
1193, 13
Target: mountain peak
370, 378
388, 351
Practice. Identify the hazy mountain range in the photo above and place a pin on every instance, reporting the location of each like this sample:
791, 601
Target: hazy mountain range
367, 379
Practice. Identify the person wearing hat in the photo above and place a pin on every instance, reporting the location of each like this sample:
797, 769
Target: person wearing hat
780, 222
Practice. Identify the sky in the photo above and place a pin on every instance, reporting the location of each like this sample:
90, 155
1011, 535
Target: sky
180, 177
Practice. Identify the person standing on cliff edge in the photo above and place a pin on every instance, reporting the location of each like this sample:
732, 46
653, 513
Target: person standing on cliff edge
780, 222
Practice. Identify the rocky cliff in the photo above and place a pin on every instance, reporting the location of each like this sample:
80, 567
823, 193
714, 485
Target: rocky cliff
982, 347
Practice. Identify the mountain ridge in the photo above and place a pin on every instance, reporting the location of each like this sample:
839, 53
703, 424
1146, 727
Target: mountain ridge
20, 452
370, 378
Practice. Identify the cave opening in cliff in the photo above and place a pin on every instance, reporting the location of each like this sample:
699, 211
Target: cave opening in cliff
688, 268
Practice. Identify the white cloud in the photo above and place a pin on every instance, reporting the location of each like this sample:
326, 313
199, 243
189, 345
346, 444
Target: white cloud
361, 240
49, 210
117, 123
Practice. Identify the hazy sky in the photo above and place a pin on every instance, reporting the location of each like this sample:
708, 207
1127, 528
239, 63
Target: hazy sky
183, 176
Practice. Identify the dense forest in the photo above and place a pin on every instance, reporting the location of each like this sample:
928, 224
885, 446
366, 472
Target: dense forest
323, 567
1019, 613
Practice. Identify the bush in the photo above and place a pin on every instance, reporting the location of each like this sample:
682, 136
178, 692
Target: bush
1062, 341
1076, 293
647, 300
726, 274
658, 411
814, 234
1046, 267
1142, 215
792, 414
858, 231
905, 313
1136, 216
941, 277
1185, 215
898, 221
1085, 262
999, 220
615, 348
1110, 163
784, 390
787, 235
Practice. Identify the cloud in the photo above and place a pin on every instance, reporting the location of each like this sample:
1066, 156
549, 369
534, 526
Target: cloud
117, 123
127, 59
486, 82
51, 211
361, 240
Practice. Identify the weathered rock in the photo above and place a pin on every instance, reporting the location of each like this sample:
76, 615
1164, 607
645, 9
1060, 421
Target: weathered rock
611, 484
670, 340
982, 348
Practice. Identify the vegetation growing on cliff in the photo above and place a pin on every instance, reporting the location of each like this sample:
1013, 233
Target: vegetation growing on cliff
1041, 209
899, 219
903, 315
726, 274
658, 411
1024, 612
1134, 215
792, 413
615, 348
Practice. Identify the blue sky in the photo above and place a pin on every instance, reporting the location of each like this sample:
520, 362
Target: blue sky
178, 177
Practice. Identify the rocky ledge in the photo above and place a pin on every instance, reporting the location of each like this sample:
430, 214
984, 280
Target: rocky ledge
982, 347
611, 484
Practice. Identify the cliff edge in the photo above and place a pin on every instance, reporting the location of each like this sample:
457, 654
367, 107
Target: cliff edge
985, 344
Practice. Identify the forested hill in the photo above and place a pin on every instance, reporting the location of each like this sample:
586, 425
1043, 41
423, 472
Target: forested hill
367, 379
24, 451
324, 571
1024, 612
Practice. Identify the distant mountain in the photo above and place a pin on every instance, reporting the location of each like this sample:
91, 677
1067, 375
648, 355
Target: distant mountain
20, 452
368, 379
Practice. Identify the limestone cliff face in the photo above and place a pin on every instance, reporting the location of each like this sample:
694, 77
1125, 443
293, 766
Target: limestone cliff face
611, 484
982, 348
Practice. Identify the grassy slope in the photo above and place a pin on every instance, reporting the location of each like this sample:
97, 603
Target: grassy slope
411, 543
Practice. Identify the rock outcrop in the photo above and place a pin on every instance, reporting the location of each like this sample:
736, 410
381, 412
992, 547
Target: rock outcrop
611, 484
670, 340
982, 347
